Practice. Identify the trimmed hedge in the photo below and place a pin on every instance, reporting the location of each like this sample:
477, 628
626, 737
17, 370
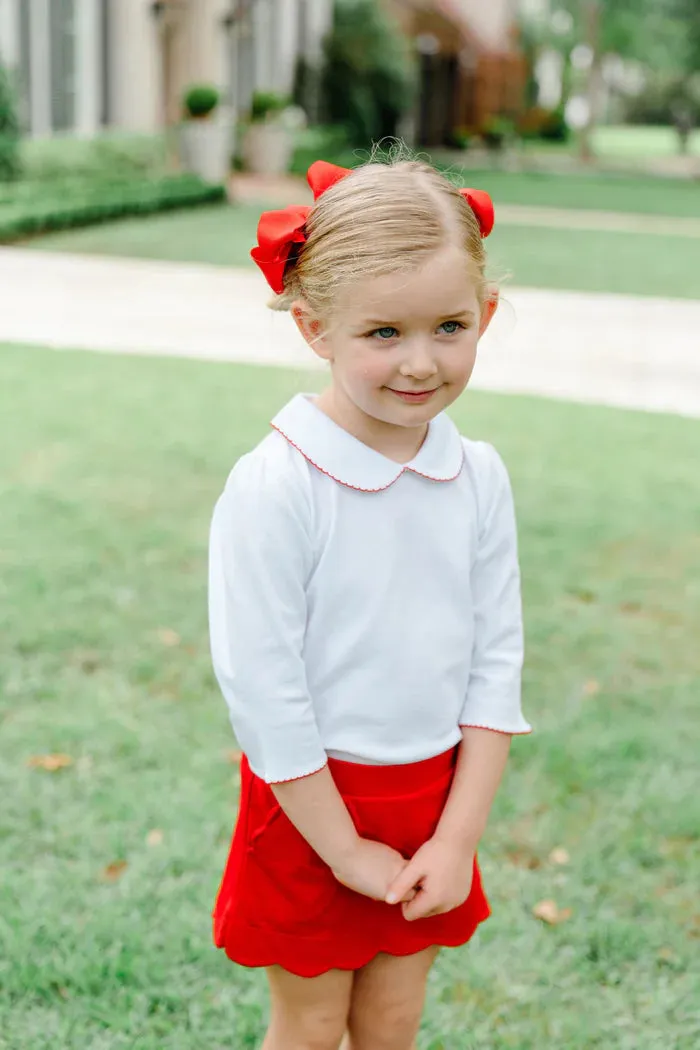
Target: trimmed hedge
31, 208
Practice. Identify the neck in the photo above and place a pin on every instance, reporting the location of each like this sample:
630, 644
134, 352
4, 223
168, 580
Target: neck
400, 444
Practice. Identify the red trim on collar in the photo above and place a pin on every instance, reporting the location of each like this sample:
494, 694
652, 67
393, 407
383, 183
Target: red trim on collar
358, 488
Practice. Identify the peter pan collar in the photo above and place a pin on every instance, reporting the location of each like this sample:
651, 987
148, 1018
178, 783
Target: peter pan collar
347, 460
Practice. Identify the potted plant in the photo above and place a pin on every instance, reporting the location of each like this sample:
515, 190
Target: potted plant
268, 141
206, 133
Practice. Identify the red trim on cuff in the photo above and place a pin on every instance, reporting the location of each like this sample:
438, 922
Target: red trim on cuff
302, 776
503, 732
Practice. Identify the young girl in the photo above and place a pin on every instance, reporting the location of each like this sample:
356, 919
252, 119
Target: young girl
365, 616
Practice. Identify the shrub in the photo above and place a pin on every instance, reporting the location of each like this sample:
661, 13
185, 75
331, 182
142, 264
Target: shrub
10, 164
496, 130
460, 138
555, 127
368, 76
661, 99
105, 156
266, 105
200, 100
38, 208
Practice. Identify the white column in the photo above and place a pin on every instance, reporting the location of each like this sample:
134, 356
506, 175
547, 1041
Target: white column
261, 43
9, 33
88, 58
40, 50
320, 15
284, 42
136, 73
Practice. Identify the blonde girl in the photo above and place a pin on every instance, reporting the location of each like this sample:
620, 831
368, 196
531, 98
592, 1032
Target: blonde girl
365, 616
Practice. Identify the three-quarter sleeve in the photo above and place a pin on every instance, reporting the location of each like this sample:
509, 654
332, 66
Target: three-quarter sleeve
493, 693
260, 557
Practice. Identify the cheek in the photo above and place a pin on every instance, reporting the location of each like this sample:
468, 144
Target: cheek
366, 366
459, 362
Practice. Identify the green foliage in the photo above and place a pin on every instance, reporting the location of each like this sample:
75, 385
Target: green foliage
200, 100
323, 142
461, 138
105, 156
662, 100
266, 105
496, 131
541, 123
34, 208
368, 77
10, 163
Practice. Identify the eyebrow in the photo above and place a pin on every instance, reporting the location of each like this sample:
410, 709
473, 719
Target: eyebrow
443, 317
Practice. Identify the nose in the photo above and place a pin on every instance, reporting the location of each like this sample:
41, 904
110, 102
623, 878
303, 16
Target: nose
418, 362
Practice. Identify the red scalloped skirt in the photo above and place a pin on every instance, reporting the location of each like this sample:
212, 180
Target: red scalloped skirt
279, 904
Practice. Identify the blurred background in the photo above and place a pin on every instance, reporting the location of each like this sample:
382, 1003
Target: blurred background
139, 142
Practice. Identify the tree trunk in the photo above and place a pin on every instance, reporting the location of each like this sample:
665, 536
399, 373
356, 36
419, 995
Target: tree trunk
593, 80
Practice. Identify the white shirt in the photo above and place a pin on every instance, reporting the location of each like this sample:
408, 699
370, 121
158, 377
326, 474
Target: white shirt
360, 607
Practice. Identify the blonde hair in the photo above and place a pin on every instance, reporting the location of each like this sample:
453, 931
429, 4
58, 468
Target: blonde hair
379, 219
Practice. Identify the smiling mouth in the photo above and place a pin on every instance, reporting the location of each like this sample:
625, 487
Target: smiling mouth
413, 395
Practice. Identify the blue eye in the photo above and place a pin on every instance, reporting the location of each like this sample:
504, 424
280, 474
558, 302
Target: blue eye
387, 332
450, 327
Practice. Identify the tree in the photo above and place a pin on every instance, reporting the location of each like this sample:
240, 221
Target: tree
367, 78
9, 131
662, 35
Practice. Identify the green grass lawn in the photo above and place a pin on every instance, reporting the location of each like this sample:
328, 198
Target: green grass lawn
640, 141
631, 142
109, 468
643, 264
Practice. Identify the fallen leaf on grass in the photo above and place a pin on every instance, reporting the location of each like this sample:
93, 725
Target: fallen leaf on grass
559, 856
233, 756
114, 871
551, 913
154, 837
168, 636
666, 955
523, 857
50, 762
591, 687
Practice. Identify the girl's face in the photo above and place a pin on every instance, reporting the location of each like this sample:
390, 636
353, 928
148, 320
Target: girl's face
402, 347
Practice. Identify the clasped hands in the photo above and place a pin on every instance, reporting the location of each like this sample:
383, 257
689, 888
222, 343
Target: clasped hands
434, 881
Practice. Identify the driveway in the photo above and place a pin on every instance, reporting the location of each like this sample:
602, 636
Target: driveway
616, 350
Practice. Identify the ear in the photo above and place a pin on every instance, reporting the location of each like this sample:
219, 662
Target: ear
488, 309
311, 328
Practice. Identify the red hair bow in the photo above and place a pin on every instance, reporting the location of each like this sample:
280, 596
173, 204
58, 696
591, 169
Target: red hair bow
482, 206
280, 231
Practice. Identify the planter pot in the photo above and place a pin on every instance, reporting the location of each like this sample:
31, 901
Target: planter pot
267, 149
206, 147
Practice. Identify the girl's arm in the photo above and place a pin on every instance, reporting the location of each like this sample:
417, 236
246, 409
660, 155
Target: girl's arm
482, 760
443, 867
260, 558
315, 807
491, 713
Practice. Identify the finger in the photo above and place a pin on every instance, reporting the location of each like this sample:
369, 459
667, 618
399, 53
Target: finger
404, 882
423, 906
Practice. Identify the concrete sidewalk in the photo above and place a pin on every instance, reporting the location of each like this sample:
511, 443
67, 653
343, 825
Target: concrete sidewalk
616, 350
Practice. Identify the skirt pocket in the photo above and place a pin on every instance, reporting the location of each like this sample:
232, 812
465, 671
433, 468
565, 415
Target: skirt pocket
286, 886
404, 822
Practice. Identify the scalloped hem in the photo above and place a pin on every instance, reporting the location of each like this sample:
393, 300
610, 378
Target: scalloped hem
311, 957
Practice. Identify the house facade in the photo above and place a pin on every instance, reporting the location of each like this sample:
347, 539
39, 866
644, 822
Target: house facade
84, 65
471, 67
